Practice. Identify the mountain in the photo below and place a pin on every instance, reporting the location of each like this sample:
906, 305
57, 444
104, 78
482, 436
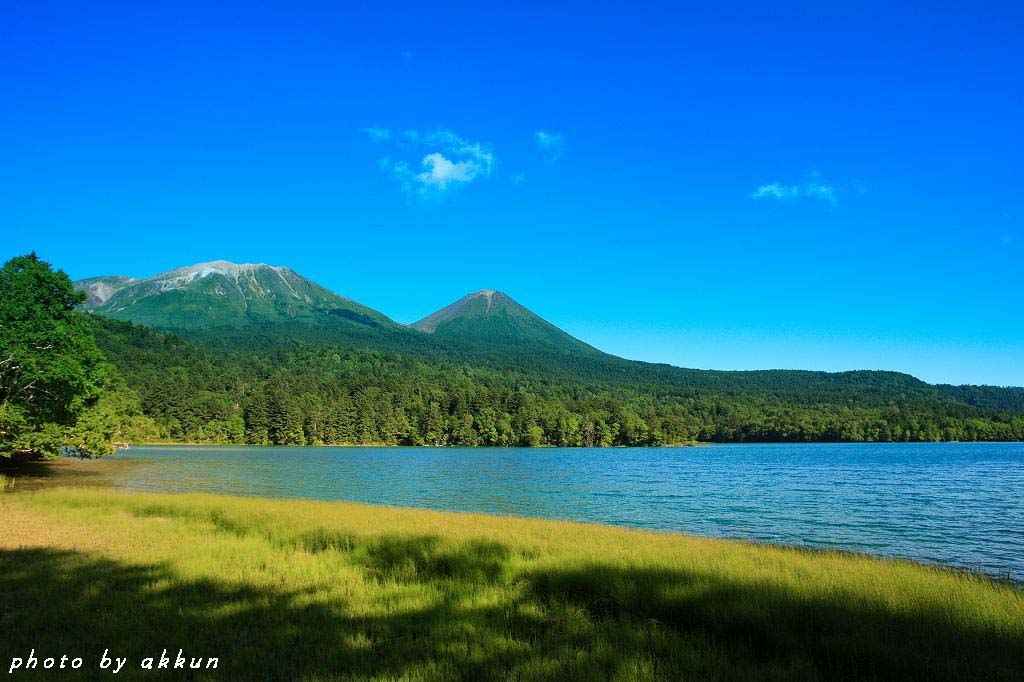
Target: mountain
99, 289
258, 308
492, 318
259, 354
223, 294
230, 305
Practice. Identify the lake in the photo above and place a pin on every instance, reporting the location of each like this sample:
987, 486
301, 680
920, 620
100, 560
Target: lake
960, 504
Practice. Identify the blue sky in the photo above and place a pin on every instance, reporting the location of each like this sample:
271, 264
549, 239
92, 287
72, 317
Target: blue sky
740, 186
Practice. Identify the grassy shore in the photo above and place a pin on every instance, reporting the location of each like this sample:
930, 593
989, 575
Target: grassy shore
287, 589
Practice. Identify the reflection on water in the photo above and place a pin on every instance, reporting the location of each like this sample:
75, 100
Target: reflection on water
952, 503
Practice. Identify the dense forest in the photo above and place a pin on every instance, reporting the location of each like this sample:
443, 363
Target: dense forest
310, 394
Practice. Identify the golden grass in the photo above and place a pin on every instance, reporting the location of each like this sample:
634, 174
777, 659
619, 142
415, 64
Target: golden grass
294, 589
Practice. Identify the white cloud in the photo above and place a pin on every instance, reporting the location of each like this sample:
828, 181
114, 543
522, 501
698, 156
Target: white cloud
442, 171
550, 143
453, 145
452, 161
815, 189
377, 134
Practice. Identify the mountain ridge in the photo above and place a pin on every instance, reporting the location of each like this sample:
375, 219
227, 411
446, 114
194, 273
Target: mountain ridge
223, 294
272, 301
99, 289
430, 322
492, 316
224, 304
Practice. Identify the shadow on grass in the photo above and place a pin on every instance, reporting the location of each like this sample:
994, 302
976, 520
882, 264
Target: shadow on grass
425, 559
478, 618
28, 468
31, 474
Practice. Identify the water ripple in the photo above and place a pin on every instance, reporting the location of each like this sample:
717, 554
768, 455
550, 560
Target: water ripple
960, 504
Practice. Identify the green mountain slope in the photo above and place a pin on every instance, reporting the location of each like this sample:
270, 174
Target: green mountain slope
492, 318
241, 312
322, 394
223, 294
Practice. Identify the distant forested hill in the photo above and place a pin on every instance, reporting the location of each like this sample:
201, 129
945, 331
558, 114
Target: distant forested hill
293, 388
1009, 399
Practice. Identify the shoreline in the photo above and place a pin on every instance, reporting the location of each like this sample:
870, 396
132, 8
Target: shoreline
490, 517
692, 444
375, 589
90, 473
425, 447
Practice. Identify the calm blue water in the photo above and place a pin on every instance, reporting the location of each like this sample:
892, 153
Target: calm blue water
952, 503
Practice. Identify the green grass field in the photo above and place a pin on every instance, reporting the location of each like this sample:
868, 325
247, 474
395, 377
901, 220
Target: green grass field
292, 589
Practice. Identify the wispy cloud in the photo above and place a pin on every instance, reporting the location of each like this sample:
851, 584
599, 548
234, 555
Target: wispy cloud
453, 145
450, 162
550, 143
813, 189
377, 134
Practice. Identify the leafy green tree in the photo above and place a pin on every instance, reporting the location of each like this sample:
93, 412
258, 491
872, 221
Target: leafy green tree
114, 419
50, 367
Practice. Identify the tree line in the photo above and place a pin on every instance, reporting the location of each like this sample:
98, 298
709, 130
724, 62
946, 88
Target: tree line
316, 395
75, 383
